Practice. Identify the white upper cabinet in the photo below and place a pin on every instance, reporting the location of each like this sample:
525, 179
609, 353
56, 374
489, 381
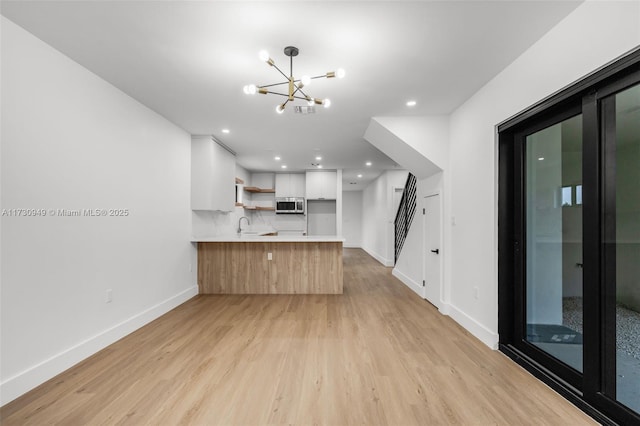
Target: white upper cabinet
322, 185
290, 185
212, 175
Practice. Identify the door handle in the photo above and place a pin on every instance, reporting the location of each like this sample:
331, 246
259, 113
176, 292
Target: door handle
436, 251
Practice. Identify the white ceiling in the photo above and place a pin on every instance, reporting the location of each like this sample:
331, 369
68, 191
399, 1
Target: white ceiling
188, 60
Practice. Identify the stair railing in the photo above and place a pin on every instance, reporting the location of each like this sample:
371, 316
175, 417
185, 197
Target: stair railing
406, 212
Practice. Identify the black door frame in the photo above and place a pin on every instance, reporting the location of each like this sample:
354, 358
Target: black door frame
590, 391
565, 372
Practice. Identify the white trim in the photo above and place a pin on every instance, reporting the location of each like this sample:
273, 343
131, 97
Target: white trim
379, 258
481, 332
23, 382
416, 287
347, 245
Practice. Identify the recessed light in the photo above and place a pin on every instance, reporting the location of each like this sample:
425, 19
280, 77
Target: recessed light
540, 158
318, 158
284, 166
359, 176
277, 158
411, 103
368, 163
225, 130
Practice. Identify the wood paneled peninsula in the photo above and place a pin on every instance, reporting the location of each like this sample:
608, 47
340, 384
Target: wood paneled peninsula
252, 264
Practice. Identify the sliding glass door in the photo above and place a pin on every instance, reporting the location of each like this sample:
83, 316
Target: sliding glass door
569, 242
553, 216
621, 120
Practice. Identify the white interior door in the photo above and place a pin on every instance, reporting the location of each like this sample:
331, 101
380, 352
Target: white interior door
433, 249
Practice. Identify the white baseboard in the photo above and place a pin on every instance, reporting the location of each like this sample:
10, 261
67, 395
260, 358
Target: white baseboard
23, 382
416, 287
481, 332
346, 245
379, 258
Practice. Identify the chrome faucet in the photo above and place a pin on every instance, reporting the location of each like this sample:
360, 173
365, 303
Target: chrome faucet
240, 223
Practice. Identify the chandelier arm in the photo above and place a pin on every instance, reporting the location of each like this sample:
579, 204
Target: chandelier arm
319, 76
271, 85
280, 71
286, 95
276, 93
298, 89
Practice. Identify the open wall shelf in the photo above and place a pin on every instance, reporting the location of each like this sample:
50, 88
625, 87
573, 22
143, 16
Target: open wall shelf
255, 189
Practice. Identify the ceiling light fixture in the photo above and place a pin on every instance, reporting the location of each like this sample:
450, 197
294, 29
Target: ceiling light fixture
277, 158
319, 166
294, 85
359, 176
368, 163
225, 131
411, 103
284, 166
318, 158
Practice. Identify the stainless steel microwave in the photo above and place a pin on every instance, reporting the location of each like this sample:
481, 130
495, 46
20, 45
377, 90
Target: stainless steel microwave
290, 205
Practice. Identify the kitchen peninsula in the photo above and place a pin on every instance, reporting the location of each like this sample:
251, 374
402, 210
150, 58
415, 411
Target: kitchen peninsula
270, 264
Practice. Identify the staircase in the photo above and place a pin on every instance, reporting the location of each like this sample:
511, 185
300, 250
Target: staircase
406, 211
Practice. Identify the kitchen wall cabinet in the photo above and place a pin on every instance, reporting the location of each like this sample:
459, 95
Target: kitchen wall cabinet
321, 185
212, 175
290, 185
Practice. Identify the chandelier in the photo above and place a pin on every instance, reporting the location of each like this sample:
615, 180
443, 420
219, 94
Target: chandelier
294, 86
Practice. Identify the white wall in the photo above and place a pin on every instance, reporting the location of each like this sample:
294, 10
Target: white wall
406, 152
352, 218
72, 141
594, 34
427, 135
378, 215
591, 36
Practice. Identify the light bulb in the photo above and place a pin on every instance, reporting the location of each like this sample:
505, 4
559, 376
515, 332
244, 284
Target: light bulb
250, 89
306, 80
264, 55
340, 73
326, 103
280, 109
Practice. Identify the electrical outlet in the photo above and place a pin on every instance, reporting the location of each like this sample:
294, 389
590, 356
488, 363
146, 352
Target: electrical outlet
109, 296
269, 256
476, 292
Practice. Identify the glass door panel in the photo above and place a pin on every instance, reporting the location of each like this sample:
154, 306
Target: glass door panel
553, 215
622, 243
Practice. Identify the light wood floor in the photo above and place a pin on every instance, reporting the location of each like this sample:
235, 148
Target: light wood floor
377, 354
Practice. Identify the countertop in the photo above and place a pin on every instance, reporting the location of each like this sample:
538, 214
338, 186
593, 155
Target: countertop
255, 238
